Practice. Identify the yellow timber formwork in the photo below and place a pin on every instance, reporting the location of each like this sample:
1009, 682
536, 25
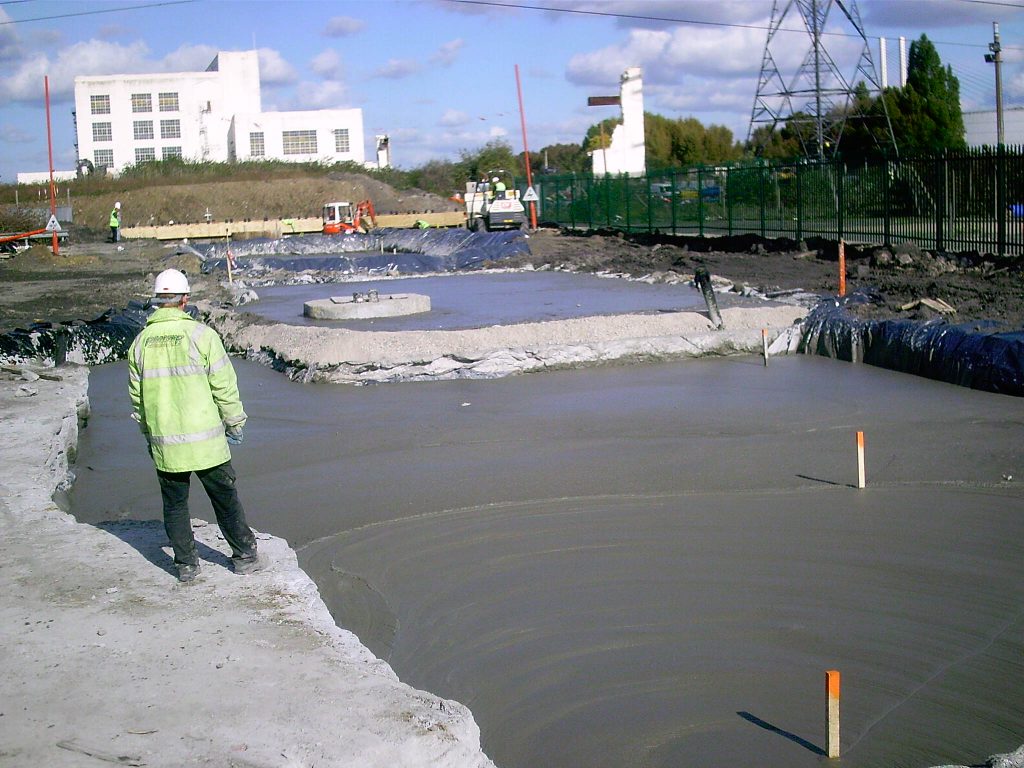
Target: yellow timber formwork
243, 230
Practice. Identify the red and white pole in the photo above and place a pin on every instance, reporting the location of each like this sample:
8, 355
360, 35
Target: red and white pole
526, 151
49, 144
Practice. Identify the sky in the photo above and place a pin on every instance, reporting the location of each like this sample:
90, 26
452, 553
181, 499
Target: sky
438, 76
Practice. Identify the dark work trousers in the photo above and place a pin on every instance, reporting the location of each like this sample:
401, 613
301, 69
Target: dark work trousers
219, 483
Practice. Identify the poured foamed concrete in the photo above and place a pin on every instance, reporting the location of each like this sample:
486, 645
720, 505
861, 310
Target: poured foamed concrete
360, 307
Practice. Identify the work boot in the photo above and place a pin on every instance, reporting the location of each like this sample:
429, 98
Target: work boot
187, 573
248, 565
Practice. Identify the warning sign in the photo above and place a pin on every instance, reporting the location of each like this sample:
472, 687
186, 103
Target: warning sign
530, 195
53, 225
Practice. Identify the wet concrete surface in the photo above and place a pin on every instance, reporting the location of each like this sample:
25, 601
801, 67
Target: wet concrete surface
478, 300
650, 565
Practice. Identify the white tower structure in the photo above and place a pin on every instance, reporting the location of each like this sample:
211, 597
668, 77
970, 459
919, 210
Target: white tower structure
626, 152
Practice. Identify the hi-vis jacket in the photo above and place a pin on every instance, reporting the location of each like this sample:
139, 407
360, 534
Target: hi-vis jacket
115, 218
184, 392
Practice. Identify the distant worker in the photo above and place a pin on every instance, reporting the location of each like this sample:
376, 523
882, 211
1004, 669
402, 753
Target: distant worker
499, 188
184, 396
115, 223
421, 224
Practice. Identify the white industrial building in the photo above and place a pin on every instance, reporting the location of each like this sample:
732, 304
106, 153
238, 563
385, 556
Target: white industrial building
981, 129
212, 116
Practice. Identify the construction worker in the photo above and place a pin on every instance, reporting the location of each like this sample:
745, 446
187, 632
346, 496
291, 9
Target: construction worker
115, 222
499, 188
185, 398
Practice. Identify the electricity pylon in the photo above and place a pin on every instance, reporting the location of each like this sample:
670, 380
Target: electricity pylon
818, 98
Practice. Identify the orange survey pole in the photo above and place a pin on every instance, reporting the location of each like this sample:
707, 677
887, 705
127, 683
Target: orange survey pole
49, 144
832, 712
526, 151
861, 479
842, 268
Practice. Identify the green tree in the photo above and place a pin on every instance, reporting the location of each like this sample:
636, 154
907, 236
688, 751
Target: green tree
930, 119
494, 158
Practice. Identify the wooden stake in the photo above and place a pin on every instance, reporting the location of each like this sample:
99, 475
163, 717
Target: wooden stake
832, 712
842, 268
764, 344
860, 460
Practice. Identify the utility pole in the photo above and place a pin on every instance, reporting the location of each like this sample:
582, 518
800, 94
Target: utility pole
996, 58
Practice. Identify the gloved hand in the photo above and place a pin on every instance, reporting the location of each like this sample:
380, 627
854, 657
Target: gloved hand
234, 435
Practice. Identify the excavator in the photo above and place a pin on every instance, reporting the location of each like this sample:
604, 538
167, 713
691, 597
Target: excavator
342, 219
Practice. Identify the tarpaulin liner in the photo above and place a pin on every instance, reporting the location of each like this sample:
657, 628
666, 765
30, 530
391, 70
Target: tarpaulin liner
936, 349
89, 342
407, 250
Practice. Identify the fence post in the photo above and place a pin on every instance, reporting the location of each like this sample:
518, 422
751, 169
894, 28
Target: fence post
673, 201
607, 200
799, 202
839, 168
624, 187
590, 201
1001, 208
886, 203
650, 209
761, 173
940, 202
700, 201
728, 200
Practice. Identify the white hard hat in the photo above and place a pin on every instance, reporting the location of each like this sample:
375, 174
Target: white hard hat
117, 204
171, 281
495, 179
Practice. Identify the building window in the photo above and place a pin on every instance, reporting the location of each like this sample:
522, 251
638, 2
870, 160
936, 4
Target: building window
341, 140
170, 129
168, 102
143, 130
298, 142
256, 148
100, 105
102, 132
142, 102
169, 152
103, 158
144, 154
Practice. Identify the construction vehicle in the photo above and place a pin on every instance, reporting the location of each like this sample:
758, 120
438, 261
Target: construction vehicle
342, 219
487, 210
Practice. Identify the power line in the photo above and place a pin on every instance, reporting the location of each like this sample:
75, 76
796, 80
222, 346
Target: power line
701, 22
93, 13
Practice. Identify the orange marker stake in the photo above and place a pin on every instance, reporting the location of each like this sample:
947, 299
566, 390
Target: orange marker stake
832, 692
764, 344
861, 483
842, 268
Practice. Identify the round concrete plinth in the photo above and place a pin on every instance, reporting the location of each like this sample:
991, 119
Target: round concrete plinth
351, 308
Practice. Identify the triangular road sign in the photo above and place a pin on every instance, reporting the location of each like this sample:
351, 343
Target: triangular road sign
53, 225
530, 196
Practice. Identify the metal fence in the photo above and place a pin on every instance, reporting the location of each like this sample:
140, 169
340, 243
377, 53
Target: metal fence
956, 202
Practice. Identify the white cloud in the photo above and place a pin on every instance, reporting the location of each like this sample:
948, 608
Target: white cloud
12, 134
274, 70
323, 94
453, 117
448, 53
186, 58
396, 69
328, 65
92, 57
343, 26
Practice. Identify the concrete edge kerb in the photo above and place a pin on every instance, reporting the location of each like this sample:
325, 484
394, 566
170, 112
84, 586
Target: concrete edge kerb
278, 624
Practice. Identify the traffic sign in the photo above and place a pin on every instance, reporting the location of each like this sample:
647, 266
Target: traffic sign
530, 196
53, 225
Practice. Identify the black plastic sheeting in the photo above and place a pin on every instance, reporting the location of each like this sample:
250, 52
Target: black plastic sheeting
936, 349
409, 251
105, 339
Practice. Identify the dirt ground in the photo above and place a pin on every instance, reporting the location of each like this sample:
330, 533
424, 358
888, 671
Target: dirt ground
89, 278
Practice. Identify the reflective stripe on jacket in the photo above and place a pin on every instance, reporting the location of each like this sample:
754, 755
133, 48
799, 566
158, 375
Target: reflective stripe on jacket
183, 391
115, 218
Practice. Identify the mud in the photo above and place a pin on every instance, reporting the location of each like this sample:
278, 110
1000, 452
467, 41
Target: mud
653, 565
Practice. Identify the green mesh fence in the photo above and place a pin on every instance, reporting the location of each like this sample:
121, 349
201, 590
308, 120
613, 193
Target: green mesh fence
956, 202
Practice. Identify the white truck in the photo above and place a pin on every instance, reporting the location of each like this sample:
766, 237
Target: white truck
487, 210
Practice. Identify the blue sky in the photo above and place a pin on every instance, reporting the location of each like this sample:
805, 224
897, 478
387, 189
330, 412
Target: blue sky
438, 75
